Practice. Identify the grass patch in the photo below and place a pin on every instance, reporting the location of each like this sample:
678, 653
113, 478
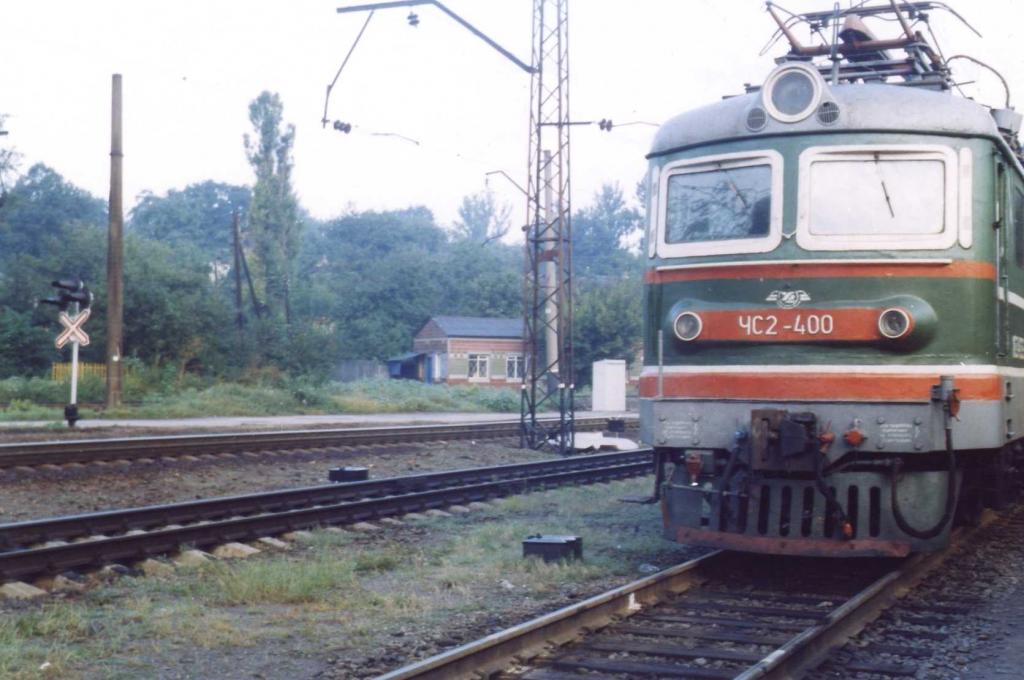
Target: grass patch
377, 561
273, 581
42, 642
28, 399
375, 598
493, 550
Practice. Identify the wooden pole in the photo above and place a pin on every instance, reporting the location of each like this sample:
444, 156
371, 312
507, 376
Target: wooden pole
237, 240
115, 254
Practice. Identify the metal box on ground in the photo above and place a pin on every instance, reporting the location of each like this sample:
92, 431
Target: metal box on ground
552, 548
348, 474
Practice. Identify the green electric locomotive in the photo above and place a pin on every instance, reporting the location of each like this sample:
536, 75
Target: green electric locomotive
834, 301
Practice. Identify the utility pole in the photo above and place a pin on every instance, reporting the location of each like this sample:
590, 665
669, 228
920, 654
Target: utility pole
237, 240
115, 254
547, 285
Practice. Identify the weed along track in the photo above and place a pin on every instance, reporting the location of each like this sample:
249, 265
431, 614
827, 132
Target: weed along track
722, 615
58, 544
147, 449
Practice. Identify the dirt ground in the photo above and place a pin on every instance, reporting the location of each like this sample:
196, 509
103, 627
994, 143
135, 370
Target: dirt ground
342, 604
48, 493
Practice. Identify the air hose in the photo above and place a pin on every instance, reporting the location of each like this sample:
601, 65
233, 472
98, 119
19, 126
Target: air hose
740, 437
832, 505
951, 497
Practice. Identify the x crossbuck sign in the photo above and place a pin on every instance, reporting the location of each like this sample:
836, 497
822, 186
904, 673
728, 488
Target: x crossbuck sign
73, 329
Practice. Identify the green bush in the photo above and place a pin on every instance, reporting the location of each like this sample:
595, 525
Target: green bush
164, 392
36, 390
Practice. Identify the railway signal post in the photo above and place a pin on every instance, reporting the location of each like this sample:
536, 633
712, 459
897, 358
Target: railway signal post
71, 292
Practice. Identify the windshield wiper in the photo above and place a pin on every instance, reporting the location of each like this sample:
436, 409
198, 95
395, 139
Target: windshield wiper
735, 189
885, 190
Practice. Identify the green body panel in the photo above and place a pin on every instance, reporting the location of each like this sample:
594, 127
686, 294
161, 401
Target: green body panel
970, 327
965, 309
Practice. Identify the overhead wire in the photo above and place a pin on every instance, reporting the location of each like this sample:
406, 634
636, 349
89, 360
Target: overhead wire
979, 62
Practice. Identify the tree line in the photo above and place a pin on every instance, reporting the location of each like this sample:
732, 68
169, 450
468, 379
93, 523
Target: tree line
314, 292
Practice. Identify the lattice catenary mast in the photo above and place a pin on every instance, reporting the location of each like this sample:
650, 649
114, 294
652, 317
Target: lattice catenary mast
548, 384
548, 272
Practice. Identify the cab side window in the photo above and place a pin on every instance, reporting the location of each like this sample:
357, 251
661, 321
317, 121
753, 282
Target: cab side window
1017, 207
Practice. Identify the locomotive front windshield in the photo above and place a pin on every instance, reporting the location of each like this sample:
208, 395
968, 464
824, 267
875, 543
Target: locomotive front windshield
725, 203
873, 196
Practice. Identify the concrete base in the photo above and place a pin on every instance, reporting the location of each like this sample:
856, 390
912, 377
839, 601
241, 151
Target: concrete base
235, 550
19, 590
192, 558
151, 567
59, 583
597, 441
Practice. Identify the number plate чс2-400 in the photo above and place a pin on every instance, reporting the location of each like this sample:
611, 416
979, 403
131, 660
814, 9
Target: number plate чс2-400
791, 325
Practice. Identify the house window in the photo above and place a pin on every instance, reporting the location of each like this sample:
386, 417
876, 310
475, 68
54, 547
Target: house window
478, 366
514, 367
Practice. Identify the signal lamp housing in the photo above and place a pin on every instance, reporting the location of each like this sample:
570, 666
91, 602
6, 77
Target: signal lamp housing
687, 326
894, 323
792, 92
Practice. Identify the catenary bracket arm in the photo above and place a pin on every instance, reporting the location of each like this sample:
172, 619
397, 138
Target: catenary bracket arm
472, 29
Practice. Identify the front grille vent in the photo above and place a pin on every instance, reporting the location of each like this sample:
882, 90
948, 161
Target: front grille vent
756, 119
828, 113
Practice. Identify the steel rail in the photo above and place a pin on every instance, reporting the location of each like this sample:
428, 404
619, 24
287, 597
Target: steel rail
797, 655
25, 533
132, 448
808, 649
494, 652
20, 563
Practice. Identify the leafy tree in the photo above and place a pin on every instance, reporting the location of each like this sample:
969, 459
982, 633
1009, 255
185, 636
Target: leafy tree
482, 282
9, 159
601, 233
274, 222
25, 347
48, 229
175, 313
375, 278
38, 210
609, 323
199, 215
40, 213
481, 219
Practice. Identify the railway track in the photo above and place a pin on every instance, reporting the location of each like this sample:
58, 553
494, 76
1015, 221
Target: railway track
130, 449
62, 543
722, 615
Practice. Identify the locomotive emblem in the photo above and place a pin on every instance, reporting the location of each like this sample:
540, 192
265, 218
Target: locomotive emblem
788, 299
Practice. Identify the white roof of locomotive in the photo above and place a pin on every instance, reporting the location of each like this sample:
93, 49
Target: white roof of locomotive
875, 107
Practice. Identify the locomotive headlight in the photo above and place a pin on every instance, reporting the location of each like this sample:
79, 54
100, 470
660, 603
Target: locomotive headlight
894, 323
792, 92
687, 326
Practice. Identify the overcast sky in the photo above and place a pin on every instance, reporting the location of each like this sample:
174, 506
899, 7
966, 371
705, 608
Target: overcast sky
191, 67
